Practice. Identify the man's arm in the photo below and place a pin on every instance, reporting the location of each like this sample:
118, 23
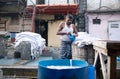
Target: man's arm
75, 33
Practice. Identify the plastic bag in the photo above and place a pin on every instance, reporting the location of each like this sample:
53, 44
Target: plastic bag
71, 37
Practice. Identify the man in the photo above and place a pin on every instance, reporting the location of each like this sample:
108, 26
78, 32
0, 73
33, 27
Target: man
65, 29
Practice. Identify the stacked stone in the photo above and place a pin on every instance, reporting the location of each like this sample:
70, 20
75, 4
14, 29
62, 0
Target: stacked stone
24, 48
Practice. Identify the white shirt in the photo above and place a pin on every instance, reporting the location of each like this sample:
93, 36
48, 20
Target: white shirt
66, 29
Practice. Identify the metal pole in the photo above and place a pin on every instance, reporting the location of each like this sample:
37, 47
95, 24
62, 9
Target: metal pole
23, 20
33, 17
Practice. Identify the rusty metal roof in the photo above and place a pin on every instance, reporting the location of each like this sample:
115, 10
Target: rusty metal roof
55, 9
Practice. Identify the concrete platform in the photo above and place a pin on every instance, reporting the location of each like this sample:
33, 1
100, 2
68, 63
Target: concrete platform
27, 69
20, 68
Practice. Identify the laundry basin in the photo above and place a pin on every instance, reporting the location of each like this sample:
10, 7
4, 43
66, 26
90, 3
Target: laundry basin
63, 69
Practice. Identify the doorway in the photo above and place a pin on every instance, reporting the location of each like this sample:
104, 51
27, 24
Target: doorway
114, 30
41, 27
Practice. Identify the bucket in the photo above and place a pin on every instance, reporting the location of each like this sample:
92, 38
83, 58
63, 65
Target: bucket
77, 69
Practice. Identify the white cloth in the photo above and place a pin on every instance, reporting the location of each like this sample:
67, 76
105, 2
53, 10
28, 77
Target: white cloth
37, 42
84, 38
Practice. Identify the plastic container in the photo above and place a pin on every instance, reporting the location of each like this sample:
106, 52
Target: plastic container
71, 37
91, 72
80, 72
118, 58
12, 36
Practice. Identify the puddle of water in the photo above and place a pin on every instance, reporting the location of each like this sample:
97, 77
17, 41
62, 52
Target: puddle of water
35, 62
5, 61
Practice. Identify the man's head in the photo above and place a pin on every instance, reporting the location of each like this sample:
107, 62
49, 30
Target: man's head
69, 19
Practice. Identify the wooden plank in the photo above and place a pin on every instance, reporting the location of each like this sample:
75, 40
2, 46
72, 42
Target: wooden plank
96, 57
111, 67
104, 71
101, 50
100, 44
111, 49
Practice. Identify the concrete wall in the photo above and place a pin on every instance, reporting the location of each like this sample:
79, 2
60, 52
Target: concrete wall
10, 26
14, 25
31, 2
9, 8
45, 17
53, 39
101, 30
105, 4
58, 1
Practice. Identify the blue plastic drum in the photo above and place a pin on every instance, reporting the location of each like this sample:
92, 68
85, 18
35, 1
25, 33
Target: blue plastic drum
91, 72
75, 69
